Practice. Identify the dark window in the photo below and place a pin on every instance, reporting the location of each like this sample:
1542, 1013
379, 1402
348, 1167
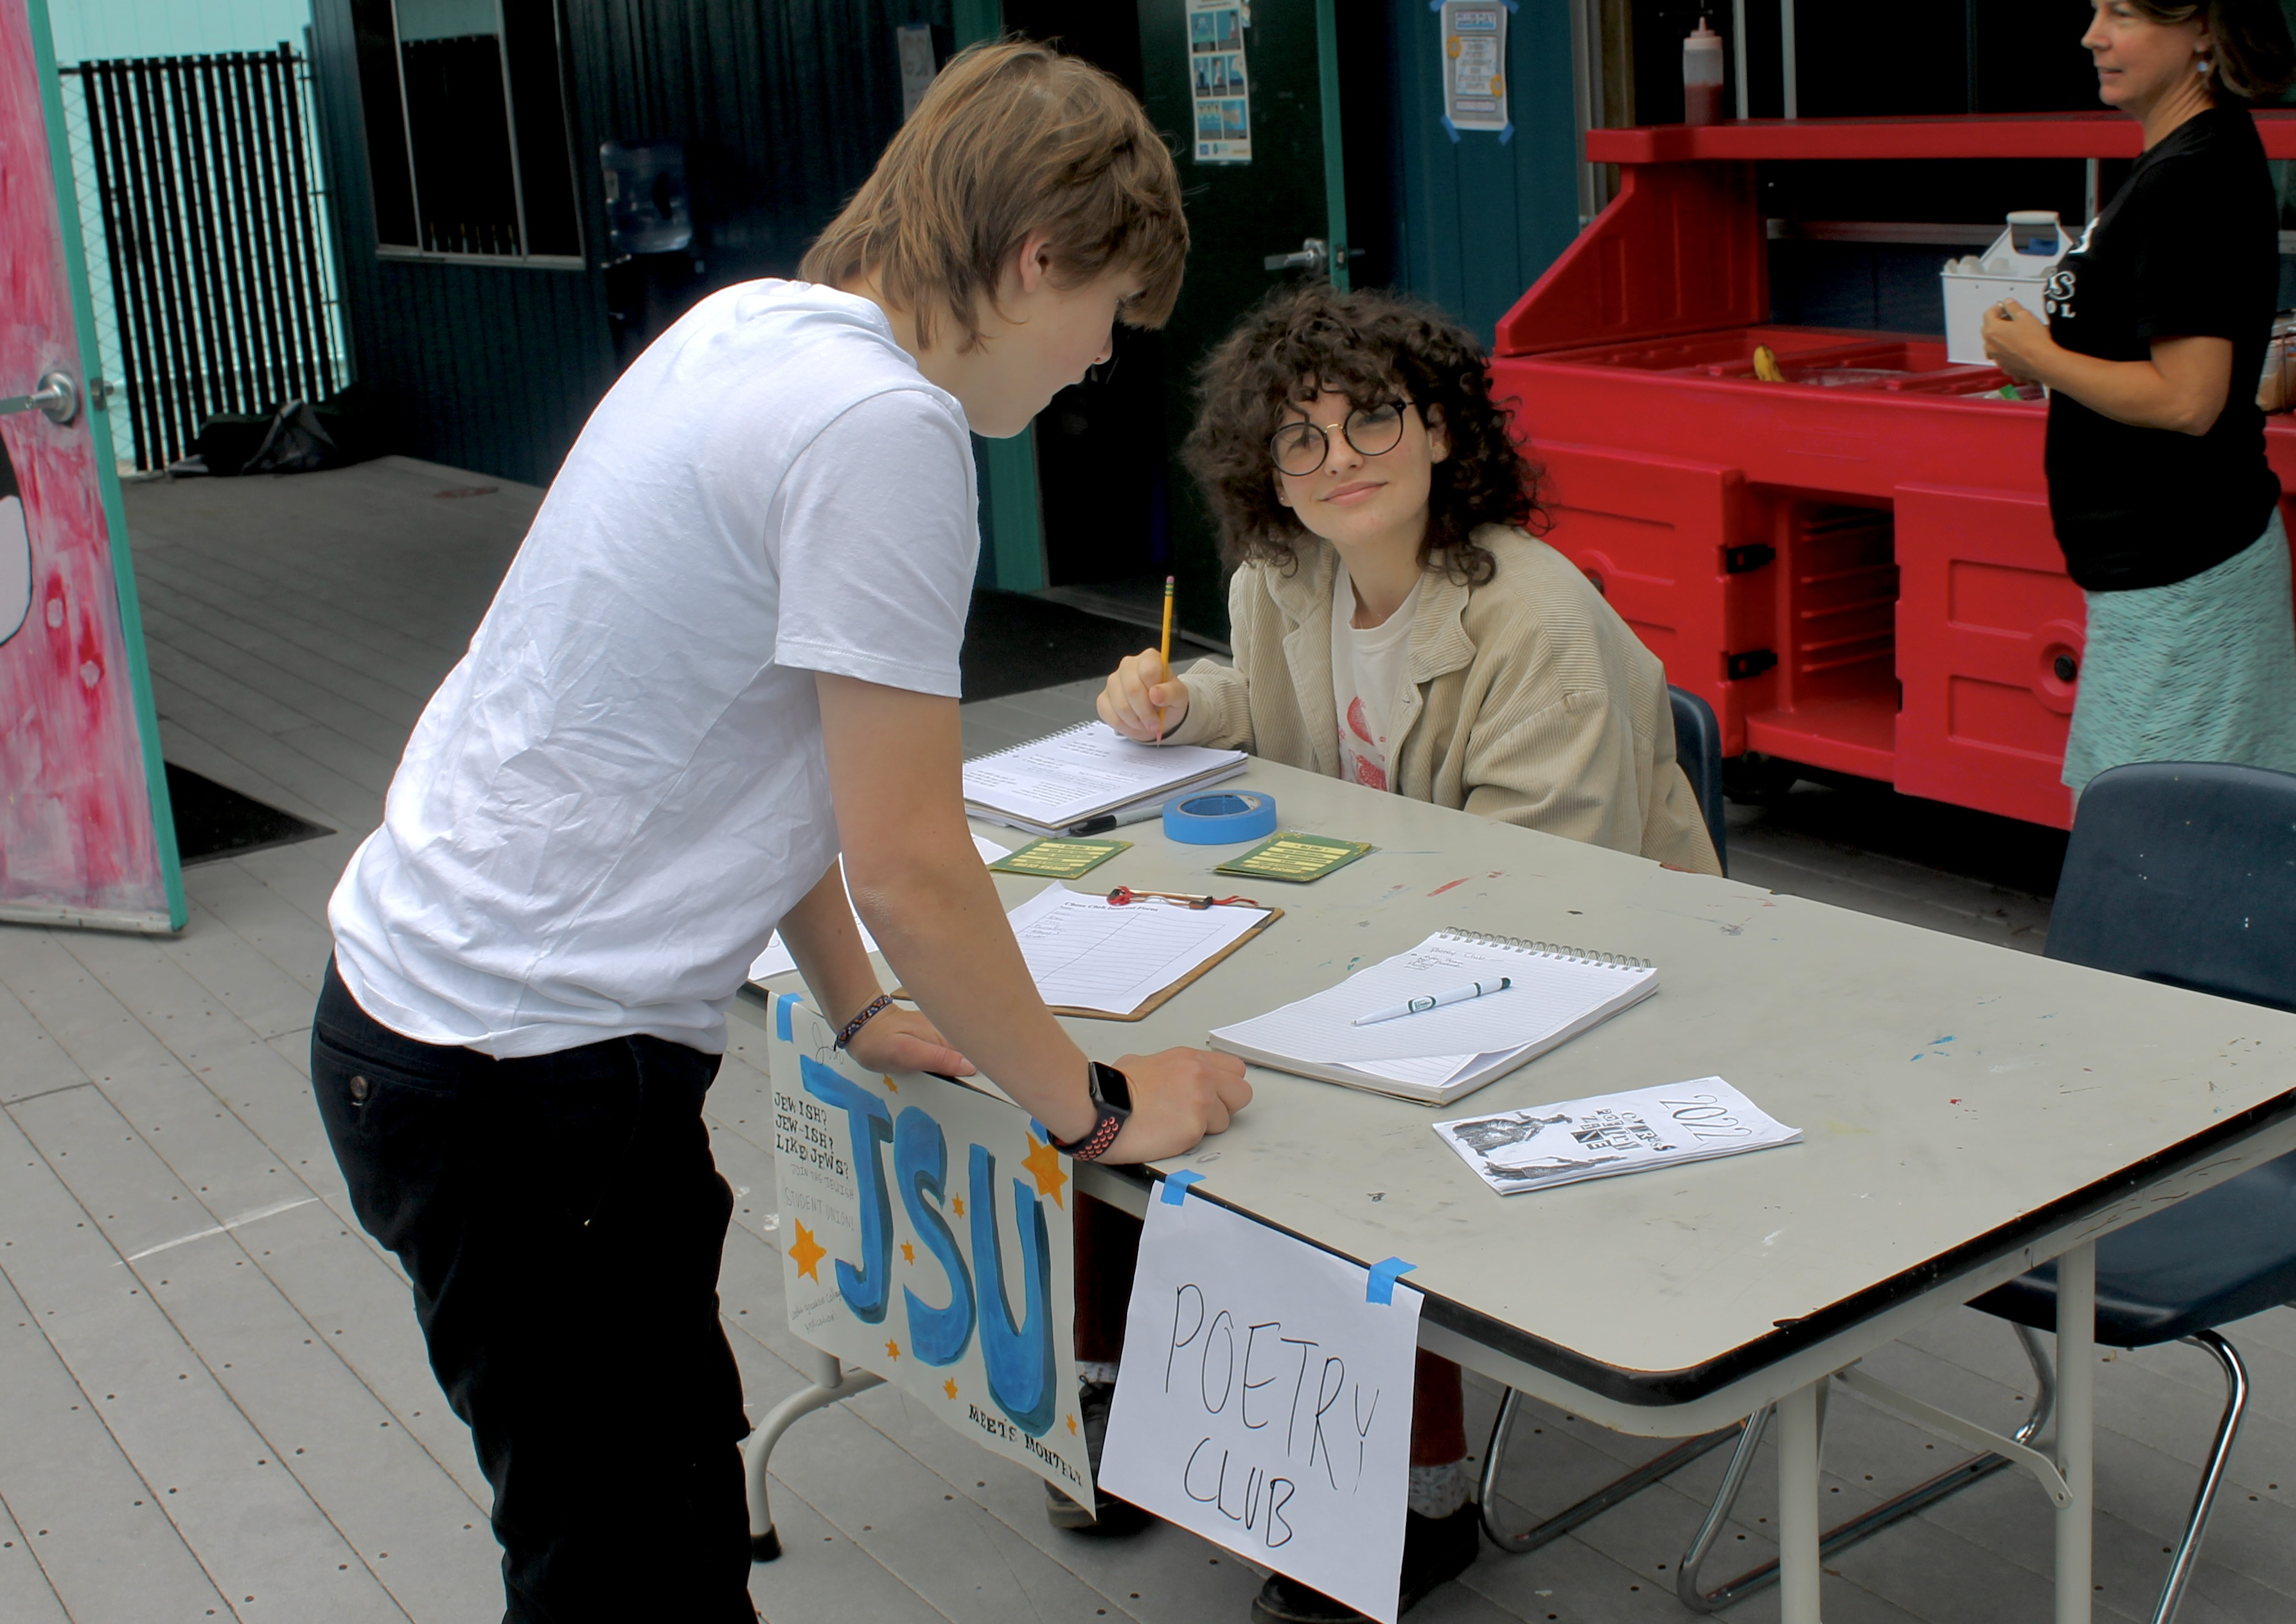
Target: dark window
466, 128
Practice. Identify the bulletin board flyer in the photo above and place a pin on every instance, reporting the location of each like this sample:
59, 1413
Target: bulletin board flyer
1219, 87
925, 1236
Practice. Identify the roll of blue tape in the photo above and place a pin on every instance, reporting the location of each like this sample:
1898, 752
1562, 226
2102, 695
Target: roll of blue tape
1219, 817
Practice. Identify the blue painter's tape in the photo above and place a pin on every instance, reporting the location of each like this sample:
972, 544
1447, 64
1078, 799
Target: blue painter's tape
781, 1015
1451, 130
1506, 132
1176, 1186
1219, 817
1380, 1287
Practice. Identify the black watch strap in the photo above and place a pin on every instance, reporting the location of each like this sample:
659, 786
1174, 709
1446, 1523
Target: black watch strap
1111, 1098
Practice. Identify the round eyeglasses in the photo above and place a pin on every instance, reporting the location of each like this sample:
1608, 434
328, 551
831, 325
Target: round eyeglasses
1299, 448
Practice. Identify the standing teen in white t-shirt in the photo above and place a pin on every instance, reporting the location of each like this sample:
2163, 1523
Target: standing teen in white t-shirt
726, 651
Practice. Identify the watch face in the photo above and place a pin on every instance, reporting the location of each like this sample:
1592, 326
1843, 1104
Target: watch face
1112, 1087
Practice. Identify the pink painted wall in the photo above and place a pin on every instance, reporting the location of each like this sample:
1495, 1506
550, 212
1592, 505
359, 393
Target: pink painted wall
75, 826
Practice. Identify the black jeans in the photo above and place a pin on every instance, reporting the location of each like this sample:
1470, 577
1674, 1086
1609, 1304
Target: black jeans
563, 1221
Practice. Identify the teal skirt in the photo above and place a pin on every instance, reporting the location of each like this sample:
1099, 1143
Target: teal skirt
2202, 670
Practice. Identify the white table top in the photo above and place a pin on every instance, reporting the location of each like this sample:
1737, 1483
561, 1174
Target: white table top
1958, 1101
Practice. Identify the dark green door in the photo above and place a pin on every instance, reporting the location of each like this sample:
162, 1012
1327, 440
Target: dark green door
1240, 215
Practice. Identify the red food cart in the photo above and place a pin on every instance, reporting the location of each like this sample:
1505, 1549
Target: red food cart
1854, 567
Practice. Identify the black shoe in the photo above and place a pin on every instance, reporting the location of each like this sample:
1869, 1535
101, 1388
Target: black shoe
1436, 1550
1117, 1517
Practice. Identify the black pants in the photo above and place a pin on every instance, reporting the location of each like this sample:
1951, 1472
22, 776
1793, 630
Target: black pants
563, 1221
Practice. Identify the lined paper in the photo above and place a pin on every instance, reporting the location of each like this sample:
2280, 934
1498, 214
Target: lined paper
1085, 952
1084, 771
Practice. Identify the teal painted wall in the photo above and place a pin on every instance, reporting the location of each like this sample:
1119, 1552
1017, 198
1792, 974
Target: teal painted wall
1473, 222
91, 29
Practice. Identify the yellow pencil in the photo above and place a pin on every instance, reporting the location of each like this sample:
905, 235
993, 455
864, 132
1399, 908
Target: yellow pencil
1167, 651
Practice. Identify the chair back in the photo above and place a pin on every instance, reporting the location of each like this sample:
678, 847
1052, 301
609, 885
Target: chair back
1698, 746
2185, 872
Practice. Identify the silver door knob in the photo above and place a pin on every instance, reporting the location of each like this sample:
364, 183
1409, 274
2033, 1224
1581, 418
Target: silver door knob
1312, 256
58, 395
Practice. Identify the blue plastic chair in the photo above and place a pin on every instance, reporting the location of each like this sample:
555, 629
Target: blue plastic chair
2182, 873
1698, 746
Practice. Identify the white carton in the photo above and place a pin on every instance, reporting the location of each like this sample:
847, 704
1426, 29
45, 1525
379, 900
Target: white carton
2016, 266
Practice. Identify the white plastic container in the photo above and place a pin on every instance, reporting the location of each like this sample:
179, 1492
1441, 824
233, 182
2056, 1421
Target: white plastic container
2016, 266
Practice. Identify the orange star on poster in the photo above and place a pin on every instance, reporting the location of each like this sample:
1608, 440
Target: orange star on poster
1044, 1164
1072, 1426
956, 1205
892, 1350
949, 1387
909, 1253
808, 1253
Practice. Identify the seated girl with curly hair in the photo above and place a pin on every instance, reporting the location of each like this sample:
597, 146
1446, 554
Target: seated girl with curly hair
1395, 622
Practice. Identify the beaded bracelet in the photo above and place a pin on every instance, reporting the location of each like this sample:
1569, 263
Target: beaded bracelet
883, 1001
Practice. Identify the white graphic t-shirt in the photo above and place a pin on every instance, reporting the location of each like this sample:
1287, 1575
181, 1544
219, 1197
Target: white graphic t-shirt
1368, 669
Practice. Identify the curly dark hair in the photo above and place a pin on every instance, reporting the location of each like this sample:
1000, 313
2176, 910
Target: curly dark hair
1370, 346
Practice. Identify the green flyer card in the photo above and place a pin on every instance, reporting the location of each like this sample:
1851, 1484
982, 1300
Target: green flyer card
1057, 858
1295, 857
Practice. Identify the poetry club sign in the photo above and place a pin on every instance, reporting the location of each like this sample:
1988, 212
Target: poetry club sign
926, 1237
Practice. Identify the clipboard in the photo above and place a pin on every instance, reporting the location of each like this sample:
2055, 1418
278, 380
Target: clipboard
1158, 1000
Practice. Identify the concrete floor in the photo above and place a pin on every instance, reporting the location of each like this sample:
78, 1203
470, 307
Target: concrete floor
214, 1403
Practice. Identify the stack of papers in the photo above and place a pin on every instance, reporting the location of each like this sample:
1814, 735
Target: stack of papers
1436, 1057
776, 959
1052, 784
1546, 1145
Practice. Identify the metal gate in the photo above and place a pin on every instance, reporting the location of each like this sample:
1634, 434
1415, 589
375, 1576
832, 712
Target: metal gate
218, 259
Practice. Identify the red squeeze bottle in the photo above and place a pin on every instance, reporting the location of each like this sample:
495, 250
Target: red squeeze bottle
1702, 76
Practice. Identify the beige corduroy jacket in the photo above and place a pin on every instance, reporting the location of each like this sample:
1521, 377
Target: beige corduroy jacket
1528, 700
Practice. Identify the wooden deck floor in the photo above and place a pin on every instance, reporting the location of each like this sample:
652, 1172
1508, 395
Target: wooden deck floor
213, 1400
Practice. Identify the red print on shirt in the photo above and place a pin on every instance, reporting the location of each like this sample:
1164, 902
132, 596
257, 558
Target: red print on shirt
1359, 720
1370, 777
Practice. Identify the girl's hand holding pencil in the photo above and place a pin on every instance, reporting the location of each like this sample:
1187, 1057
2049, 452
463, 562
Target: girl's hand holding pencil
1142, 700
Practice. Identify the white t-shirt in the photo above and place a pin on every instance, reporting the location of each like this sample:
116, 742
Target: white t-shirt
1368, 667
610, 802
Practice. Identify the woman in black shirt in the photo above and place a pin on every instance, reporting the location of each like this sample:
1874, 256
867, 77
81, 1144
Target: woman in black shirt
2157, 326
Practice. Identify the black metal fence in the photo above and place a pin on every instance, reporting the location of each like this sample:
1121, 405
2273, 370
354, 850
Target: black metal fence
213, 237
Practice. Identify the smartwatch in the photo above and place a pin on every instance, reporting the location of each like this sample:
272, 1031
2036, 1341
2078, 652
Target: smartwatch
1111, 1101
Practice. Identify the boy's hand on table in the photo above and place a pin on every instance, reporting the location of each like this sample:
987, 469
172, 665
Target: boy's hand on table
1177, 1098
903, 1040
1135, 690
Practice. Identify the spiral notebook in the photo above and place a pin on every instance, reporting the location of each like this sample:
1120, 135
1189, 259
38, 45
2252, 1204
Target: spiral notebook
1438, 1056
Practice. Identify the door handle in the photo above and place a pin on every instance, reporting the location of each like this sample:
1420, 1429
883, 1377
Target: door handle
1311, 256
58, 395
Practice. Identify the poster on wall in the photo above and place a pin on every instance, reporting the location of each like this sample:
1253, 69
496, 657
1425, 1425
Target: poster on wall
913, 44
925, 1236
1474, 66
86, 837
1217, 85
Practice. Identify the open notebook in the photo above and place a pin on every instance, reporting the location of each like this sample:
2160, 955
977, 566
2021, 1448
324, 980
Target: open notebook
1051, 784
1436, 1057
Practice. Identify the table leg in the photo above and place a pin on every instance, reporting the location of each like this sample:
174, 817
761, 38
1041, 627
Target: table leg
2076, 1428
831, 1382
1799, 1567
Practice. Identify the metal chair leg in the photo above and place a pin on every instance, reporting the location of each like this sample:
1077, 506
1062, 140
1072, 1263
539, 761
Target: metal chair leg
831, 1382
2188, 1548
1594, 1505
1919, 1497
